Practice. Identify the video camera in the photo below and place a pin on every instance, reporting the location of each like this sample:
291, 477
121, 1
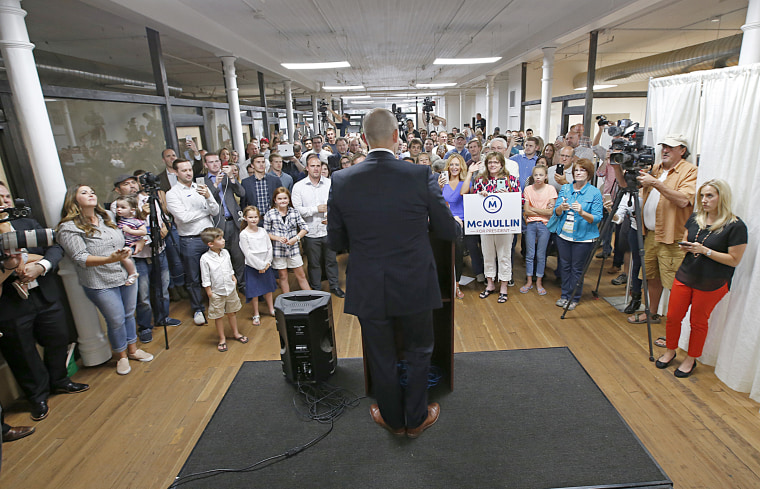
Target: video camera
15, 240
428, 104
628, 146
149, 181
322, 106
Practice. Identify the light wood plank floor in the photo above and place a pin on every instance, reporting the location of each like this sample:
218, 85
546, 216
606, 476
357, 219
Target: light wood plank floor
137, 430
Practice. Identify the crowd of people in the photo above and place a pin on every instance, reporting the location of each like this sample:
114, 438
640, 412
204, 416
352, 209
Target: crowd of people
231, 225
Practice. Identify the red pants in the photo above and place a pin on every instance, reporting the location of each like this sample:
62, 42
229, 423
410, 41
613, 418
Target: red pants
702, 304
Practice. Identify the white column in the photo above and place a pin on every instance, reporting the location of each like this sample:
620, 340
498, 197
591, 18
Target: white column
750, 51
546, 93
289, 110
230, 82
39, 143
461, 110
490, 120
315, 112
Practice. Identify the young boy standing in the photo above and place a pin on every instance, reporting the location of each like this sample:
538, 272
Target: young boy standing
218, 278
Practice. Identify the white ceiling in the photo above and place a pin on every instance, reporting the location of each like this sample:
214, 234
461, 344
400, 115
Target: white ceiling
390, 44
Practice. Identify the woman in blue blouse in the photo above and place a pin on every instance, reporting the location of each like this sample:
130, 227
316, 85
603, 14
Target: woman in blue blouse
450, 181
579, 207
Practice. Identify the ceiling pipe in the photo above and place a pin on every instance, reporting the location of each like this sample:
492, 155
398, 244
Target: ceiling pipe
104, 79
713, 54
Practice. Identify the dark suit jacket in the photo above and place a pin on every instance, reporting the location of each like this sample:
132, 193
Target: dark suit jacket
11, 305
249, 186
229, 189
381, 211
163, 178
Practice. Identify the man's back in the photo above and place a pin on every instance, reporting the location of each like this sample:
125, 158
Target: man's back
381, 210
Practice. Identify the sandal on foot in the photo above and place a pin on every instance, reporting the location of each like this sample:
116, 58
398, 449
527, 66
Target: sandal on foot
502, 298
243, 339
525, 288
256, 320
460, 294
222, 347
486, 293
641, 318
131, 279
660, 342
541, 291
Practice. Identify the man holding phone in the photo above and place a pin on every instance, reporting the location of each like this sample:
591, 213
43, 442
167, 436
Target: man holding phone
224, 188
193, 206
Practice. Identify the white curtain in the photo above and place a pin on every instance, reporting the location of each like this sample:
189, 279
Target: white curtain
726, 107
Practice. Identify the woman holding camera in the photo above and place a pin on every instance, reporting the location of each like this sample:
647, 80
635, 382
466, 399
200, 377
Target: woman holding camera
715, 240
494, 178
579, 208
95, 244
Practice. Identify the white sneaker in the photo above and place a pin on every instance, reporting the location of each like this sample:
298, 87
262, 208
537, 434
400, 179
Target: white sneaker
140, 355
122, 366
199, 318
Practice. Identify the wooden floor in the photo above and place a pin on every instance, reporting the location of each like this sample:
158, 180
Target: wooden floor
136, 431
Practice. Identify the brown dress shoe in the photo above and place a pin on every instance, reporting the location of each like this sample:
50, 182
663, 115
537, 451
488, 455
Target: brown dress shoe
374, 411
17, 433
433, 411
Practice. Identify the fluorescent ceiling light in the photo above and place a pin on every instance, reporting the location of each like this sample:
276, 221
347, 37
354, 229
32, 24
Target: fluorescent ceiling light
465, 61
413, 100
316, 66
363, 102
596, 87
435, 85
343, 87
347, 97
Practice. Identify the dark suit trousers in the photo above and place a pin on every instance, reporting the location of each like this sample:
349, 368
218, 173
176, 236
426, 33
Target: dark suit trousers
232, 244
400, 406
46, 326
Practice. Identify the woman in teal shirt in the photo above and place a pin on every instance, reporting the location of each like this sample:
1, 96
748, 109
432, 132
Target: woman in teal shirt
579, 208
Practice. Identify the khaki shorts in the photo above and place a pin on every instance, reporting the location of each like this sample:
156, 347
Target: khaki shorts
280, 262
662, 260
219, 305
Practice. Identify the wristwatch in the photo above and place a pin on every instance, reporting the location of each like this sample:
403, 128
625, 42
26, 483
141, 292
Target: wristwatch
708, 252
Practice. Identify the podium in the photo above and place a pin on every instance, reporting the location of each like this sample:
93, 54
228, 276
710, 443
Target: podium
443, 318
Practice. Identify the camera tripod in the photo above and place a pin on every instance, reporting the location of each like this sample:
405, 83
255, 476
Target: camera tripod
156, 285
632, 191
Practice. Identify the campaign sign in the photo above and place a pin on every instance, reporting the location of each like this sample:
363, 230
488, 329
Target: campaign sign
495, 214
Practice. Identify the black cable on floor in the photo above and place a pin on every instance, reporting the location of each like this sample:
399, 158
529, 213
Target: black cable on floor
320, 402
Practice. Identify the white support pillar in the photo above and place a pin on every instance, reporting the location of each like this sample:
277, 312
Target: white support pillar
546, 93
37, 136
461, 110
489, 101
289, 110
230, 83
750, 51
315, 115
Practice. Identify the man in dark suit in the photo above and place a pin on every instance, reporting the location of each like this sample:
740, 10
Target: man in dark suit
381, 210
259, 187
224, 189
31, 316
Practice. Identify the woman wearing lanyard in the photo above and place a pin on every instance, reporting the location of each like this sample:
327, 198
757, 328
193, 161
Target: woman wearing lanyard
579, 207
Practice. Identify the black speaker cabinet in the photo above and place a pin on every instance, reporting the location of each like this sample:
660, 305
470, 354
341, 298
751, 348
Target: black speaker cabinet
307, 336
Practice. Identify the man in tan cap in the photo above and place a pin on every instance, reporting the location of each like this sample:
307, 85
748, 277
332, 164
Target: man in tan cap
667, 202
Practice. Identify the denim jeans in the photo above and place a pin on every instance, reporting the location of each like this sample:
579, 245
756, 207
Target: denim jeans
472, 242
572, 258
177, 270
192, 248
536, 239
144, 308
117, 305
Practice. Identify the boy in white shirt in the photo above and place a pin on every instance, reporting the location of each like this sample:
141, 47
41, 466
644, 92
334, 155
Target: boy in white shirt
218, 278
